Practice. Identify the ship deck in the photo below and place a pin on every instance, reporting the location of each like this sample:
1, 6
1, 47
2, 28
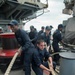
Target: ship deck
21, 72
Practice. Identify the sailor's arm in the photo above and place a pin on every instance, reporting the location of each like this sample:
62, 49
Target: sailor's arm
44, 68
51, 61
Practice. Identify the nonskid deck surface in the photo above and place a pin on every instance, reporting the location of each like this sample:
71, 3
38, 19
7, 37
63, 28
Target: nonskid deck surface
21, 72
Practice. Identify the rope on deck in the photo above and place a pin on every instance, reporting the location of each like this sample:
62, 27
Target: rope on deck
51, 69
12, 62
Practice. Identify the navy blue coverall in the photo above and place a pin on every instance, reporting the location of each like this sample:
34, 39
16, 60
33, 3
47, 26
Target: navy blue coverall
33, 36
27, 49
40, 32
38, 59
45, 38
56, 39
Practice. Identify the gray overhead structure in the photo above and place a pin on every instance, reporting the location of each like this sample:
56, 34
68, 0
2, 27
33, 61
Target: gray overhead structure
18, 9
68, 6
69, 25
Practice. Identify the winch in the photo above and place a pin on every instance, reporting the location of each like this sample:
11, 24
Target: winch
9, 47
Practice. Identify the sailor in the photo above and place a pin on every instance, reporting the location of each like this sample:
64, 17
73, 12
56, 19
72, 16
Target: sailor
24, 41
41, 31
33, 34
56, 39
45, 36
51, 27
38, 63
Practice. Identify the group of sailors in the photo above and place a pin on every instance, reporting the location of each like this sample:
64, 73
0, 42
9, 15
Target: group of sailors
35, 47
46, 36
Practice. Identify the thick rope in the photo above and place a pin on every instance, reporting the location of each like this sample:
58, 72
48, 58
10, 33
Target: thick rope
12, 62
51, 69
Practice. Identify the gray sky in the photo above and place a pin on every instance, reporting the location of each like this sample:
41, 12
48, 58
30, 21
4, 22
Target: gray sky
54, 17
